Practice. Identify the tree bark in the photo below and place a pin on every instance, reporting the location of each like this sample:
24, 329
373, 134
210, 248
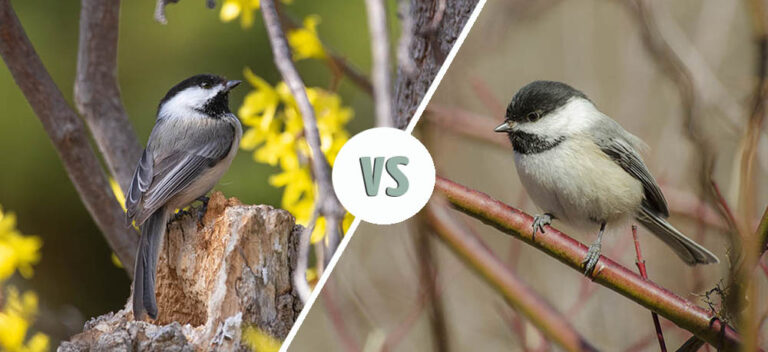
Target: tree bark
97, 93
437, 25
67, 133
215, 277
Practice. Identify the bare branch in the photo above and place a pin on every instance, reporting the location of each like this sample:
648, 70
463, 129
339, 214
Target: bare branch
524, 299
610, 274
97, 93
68, 134
382, 96
300, 283
161, 4
326, 202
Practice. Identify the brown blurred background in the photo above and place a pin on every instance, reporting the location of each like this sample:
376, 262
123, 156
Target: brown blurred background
374, 297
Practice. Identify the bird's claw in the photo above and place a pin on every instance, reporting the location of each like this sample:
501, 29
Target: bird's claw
539, 221
590, 261
203, 209
178, 215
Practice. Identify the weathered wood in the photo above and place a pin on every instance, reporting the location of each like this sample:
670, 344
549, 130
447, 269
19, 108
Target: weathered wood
438, 25
228, 271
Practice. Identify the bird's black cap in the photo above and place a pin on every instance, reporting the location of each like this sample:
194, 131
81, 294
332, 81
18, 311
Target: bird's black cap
538, 98
196, 80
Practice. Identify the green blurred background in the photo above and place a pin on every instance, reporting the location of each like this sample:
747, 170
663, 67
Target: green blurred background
76, 279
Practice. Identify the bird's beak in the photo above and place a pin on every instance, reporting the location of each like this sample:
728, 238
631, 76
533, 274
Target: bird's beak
231, 85
505, 127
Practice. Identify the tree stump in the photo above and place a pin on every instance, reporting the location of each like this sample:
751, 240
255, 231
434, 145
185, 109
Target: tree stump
230, 270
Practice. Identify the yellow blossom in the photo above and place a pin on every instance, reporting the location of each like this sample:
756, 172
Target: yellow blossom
17, 252
16, 316
231, 9
304, 40
259, 340
275, 134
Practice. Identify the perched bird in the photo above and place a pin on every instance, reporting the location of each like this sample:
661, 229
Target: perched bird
581, 167
192, 144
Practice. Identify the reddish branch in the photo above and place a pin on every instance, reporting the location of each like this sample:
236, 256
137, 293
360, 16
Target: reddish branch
526, 301
641, 267
67, 133
97, 93
608, 273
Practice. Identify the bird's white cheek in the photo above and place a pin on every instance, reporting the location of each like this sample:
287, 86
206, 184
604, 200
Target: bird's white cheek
187, 103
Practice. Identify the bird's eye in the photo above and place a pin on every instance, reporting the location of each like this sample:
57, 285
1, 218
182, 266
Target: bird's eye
205, 85
533, 116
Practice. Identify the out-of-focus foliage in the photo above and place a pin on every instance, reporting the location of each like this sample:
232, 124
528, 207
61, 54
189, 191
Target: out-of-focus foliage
260, 341
275, 134
17, 252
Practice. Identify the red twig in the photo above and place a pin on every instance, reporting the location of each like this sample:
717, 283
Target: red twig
527, 302
348, 341
724, 204
485, 94
641, 266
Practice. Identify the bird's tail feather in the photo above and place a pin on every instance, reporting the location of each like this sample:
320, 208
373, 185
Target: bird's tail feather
688, 250
152, 233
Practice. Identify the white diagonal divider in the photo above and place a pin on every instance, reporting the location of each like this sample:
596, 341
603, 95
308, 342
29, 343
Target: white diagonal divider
352, 228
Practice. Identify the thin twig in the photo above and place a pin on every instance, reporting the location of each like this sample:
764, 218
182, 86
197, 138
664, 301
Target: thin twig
326, 202
428, 279
644, 273
538, 311
335, 61
347, 341
608, 273
68, 135
97, 93
382, 94
300, 283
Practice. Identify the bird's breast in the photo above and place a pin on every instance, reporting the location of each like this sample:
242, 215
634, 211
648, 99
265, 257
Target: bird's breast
578, 183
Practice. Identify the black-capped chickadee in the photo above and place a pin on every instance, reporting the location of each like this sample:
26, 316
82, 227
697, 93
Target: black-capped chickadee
192, 144
581, 167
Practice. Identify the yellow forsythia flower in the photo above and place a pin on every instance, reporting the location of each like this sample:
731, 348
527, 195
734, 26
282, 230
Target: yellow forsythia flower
275, 134
17, 252
304, 40
260, 341
231, 9
15, 318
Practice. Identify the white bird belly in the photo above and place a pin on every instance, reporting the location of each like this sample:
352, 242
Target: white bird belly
579, 184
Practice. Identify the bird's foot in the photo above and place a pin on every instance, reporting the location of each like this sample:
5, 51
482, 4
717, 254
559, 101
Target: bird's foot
202, 210
539, 221
590, 261
179, 214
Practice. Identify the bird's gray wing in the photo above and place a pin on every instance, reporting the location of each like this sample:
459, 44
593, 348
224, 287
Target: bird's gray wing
622, 151
142, 178
179, 161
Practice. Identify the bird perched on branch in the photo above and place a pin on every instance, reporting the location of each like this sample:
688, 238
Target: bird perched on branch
192, 144
581, 167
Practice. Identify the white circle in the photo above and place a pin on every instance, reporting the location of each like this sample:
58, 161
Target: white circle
382, 208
